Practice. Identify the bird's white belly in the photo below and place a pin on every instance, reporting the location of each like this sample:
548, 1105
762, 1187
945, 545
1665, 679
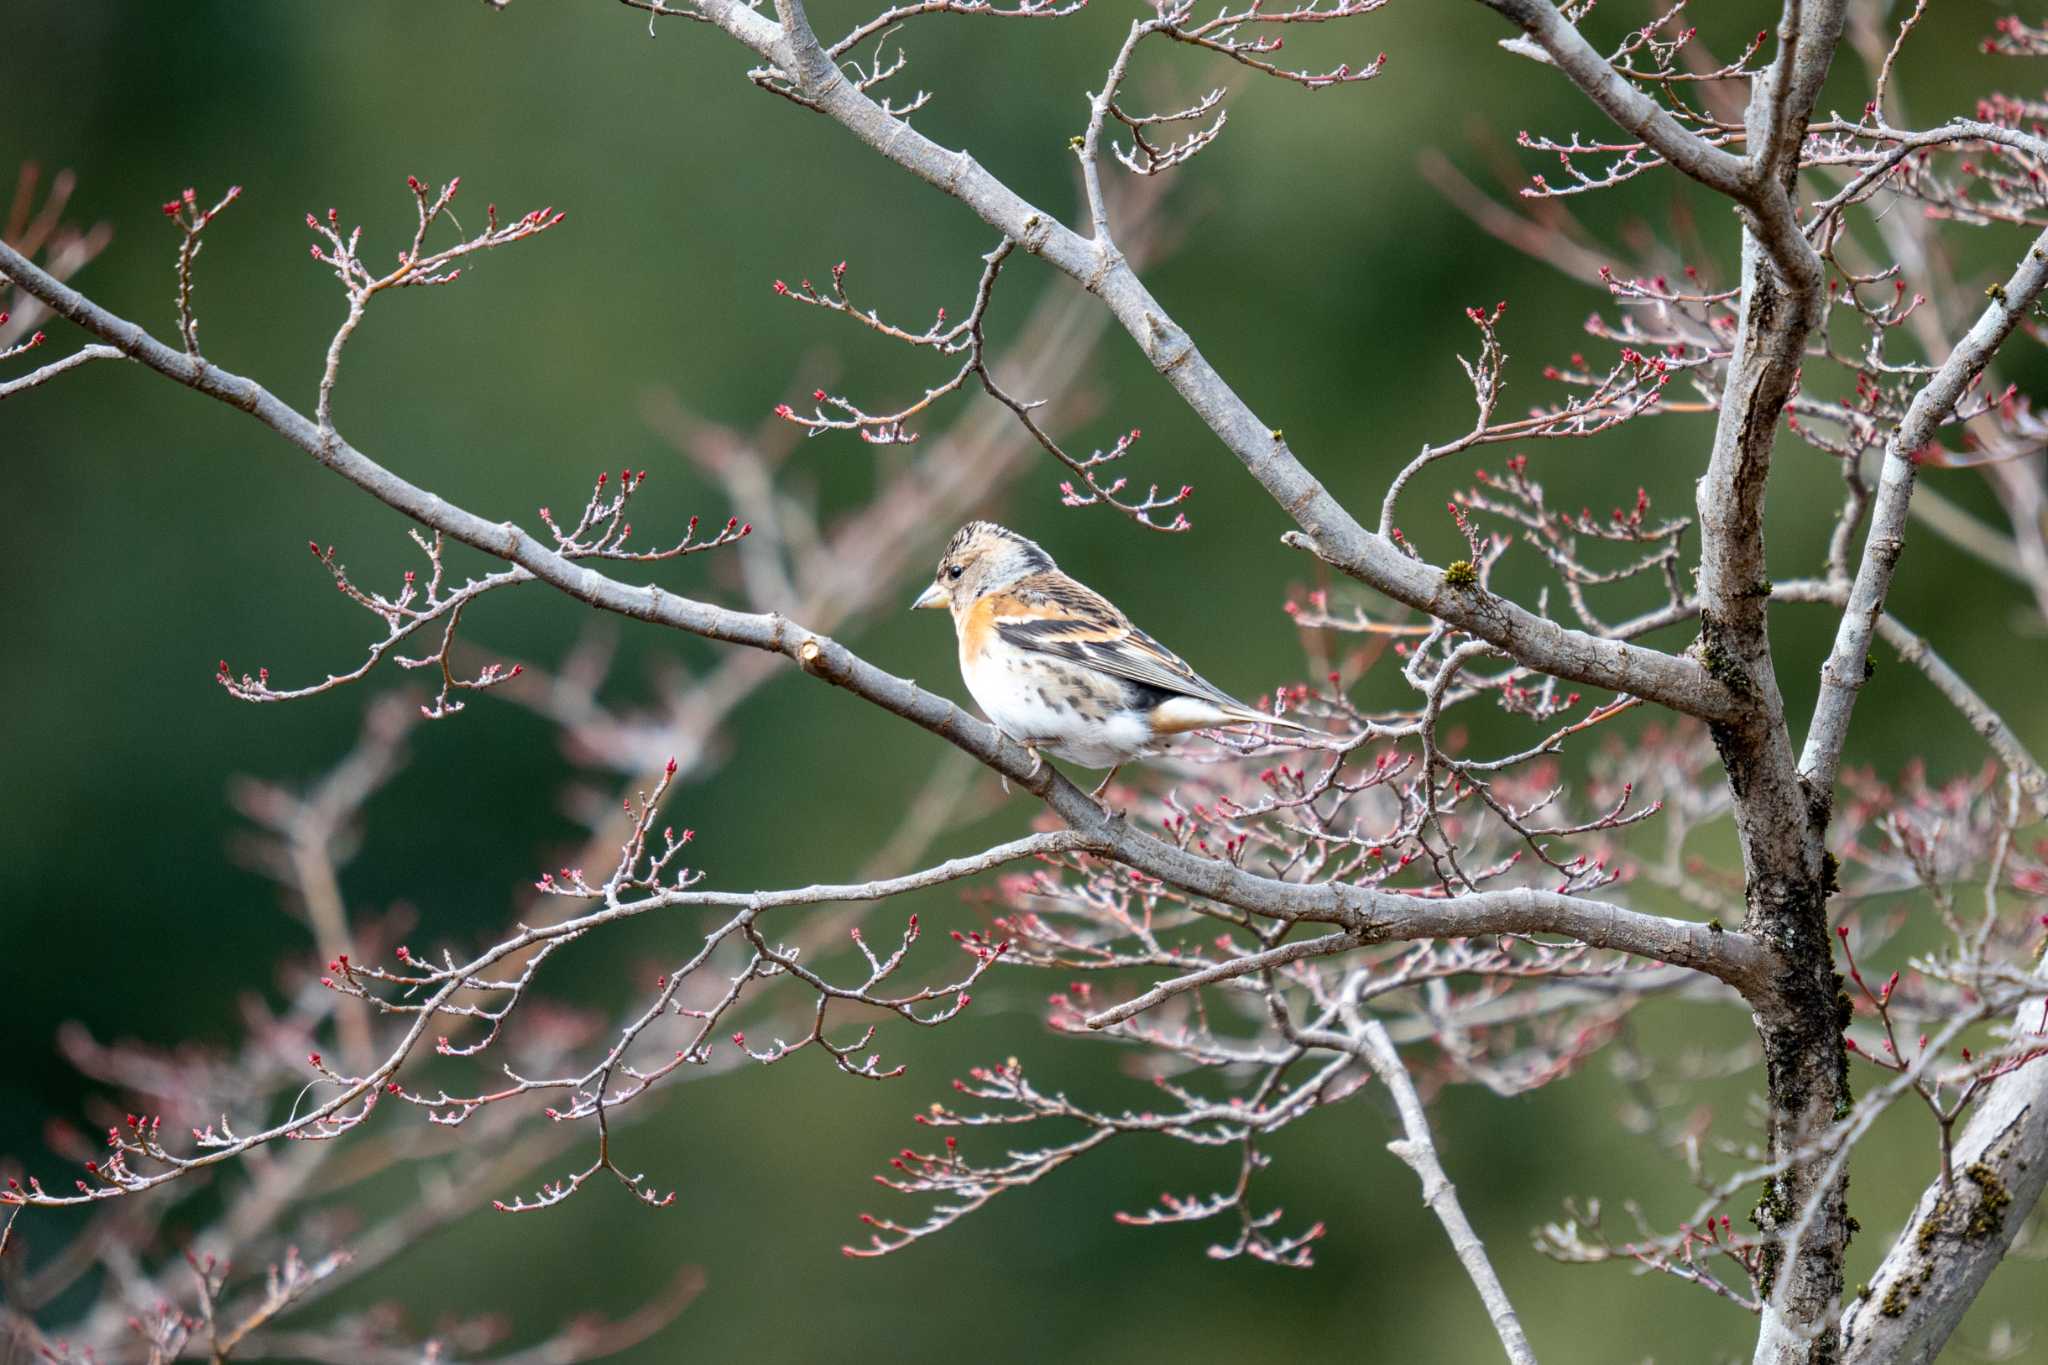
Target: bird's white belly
1033, 710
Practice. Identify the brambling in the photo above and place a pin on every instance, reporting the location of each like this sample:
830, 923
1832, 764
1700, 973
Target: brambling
1057, 668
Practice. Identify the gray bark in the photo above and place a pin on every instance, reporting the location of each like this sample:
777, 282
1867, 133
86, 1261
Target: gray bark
1957, 1237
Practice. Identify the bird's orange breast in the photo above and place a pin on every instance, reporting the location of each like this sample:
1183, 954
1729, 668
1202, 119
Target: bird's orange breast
977, 628
979, 622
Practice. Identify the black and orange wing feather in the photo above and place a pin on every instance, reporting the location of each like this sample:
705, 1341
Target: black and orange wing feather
1051, 613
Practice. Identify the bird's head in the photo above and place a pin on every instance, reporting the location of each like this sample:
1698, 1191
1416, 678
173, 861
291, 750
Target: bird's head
981, 558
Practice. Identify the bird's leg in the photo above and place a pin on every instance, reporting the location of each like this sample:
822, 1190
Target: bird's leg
1096, 795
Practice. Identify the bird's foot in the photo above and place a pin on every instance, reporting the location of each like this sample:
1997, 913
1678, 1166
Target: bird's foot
1103, 785
1037, 766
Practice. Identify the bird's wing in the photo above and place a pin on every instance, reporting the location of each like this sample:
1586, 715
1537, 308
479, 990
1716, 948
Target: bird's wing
1053, 614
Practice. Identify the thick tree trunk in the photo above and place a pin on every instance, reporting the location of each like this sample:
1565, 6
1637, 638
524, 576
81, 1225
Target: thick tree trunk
1808, 1090
1780, 820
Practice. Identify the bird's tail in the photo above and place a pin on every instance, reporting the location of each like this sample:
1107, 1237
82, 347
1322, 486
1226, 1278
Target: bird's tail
1246, 715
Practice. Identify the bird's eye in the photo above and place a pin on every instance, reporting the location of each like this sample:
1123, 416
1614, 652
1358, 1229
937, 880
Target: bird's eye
956, 570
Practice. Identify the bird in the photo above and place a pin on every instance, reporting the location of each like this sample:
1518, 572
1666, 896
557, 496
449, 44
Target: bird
1058, 668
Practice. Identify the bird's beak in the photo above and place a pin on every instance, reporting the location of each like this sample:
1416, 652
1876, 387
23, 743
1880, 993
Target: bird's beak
933, 596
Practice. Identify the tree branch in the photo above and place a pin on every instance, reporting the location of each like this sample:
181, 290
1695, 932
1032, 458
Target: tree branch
1230, 970
457, 978
36, 378
1957, 1236
1842, 676
1976, 712
1367, 1039
1379, 915
1778, 821
1327, 529
1621, 101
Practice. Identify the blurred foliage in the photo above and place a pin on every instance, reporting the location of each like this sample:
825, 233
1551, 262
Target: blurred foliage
153, 533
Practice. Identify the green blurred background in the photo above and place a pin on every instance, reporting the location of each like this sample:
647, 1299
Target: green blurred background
151, 533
